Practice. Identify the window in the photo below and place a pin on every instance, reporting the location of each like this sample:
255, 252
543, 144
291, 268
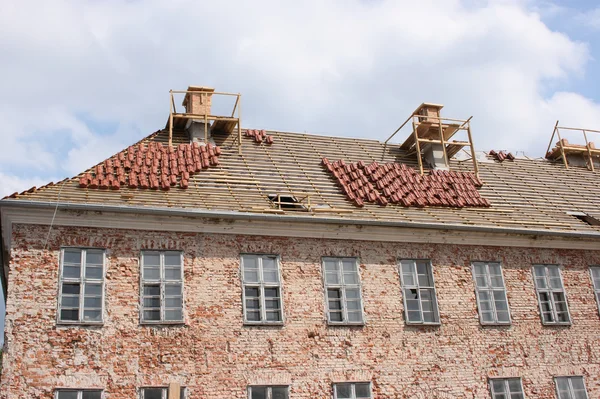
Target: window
81, 286
595, 270
506, 388
584, 217
551, 295
491, 293
342, 286
261, 289
420, 303
570, 388
158, 393
162, 287
78, 394
354, 390
264, 392
286, 202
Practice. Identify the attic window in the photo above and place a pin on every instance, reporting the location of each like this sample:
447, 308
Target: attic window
584, 217
286, 202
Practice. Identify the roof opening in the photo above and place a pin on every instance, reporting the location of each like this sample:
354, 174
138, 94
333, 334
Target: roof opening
584, 217
287, 202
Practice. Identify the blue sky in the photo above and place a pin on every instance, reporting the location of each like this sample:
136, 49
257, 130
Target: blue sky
83, 79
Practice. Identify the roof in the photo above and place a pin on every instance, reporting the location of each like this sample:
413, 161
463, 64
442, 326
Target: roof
533, 194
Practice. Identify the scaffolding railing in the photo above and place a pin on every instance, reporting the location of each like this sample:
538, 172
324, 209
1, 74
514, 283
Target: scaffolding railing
563, 147
430, 129
226, 123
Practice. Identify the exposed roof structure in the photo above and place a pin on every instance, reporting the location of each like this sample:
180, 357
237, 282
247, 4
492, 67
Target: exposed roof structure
524, 193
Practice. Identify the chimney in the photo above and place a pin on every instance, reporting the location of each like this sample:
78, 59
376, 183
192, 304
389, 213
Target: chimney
198, 101
433, 153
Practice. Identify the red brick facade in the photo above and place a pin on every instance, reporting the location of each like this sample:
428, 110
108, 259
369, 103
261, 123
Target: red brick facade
215, 356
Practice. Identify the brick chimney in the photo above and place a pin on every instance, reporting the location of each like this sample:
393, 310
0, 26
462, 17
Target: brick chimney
198, 100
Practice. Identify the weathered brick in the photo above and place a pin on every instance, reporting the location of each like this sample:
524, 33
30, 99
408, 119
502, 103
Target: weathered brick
216, 356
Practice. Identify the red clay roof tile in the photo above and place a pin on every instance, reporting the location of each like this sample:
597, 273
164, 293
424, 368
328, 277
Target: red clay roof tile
397, 183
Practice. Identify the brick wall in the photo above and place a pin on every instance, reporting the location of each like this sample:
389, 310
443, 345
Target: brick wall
215, 356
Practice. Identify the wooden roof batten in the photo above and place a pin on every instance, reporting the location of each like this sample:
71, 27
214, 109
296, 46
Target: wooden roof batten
563, 148
197, 102
430, 128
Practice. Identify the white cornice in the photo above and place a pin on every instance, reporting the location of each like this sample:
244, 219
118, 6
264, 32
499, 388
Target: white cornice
287, 228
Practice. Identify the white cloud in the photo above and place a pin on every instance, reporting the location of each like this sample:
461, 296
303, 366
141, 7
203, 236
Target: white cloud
343, 68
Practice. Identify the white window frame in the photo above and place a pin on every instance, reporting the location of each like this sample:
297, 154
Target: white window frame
405, 287
342, 286
261, 285
596, 286
569, 378
506, 381
352, 388
550, 292
164, 393
489, 288
79, 392
82, 281
161, 282
269, 390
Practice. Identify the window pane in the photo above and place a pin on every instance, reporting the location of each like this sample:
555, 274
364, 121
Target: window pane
280, 393
331, 265
273, 315
173, 273
272, 304
577, 383
253, 316
151, 315
92, 302
94, 257
332, 278
153, 393
151, 258
258, 393
93, 289
69, 314
71, 271
152, 290
67, 394
93, 272
498, 386
174, 302
363, 390
92, 394
70, 301
271, 292
72, 256
336, 316
70, 288
270, 276
151, 273
251, 275
351, 278
92, 315
173, 315
408, 275
152, 302
172, 289
343, 391
172, 258
269, 263
252, 292
355, 317
424, 274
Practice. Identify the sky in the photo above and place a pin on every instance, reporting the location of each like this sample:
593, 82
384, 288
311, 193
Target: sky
80, 80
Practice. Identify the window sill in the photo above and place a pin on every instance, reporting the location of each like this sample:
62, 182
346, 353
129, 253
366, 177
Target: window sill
345, 324
162, 323
80, 323
413, 324
496, 324
263, 323
569, 324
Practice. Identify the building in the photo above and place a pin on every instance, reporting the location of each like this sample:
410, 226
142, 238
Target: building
210, 261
